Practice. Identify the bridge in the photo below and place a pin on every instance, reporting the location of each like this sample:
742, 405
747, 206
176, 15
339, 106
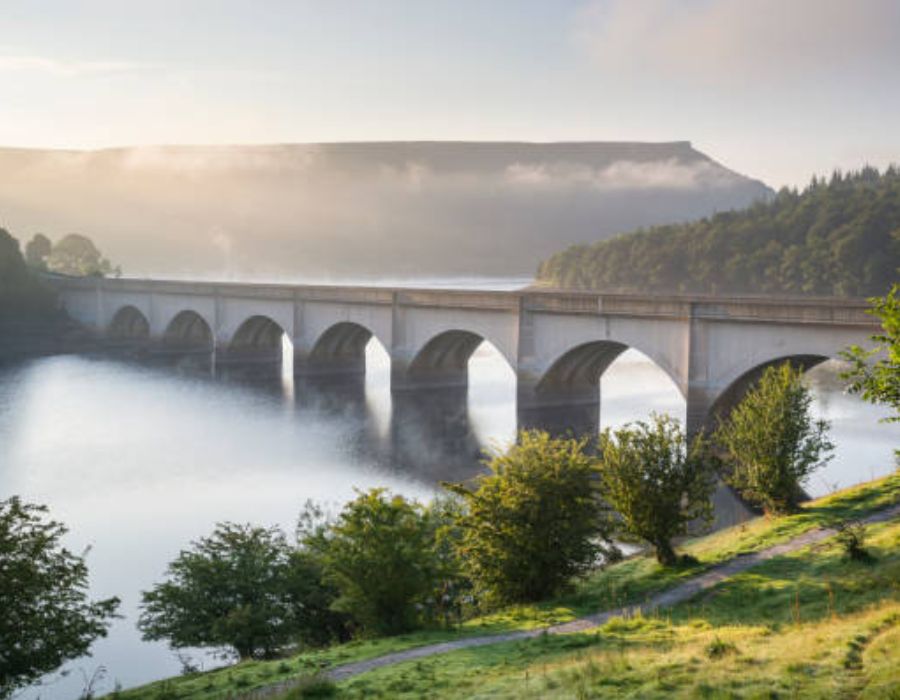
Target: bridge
558, 343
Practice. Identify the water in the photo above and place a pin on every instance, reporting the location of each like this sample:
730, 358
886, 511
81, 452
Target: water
138, 460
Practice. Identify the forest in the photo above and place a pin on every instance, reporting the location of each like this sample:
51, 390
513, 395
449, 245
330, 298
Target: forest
836, 237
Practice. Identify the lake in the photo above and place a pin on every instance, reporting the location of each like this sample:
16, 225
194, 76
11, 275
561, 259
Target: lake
138, 460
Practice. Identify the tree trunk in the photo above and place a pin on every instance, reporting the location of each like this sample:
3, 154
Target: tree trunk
665, 555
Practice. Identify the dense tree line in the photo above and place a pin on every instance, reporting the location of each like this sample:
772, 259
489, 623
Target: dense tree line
838, 236
22, 296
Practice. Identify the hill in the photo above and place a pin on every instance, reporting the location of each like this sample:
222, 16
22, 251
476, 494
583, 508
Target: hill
838, 237
358, 209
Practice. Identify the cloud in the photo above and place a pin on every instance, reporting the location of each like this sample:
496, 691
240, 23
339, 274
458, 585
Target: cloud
622, 175
726, 40
57, 67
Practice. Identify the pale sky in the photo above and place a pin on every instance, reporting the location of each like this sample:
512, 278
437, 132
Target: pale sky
776, 89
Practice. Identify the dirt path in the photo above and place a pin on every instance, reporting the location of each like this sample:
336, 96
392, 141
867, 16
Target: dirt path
672, 596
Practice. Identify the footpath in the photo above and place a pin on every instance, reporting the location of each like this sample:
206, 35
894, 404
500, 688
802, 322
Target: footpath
672, 596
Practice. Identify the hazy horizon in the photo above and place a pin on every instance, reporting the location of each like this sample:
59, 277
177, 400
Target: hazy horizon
779, 91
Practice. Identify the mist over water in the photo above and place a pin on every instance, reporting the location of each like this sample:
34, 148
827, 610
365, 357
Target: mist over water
140, 460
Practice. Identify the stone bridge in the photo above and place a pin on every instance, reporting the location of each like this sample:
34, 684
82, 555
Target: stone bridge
558, 343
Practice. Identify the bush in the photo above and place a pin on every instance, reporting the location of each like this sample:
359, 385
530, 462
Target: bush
851, 536
534, 521
655, 483
379, 554
770, 444
244, 587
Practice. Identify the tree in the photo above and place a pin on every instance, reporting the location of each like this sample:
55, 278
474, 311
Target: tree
534, 522
21, 293
770, 444
37, 250
46, 617
77, 255
879, 381
242, 587
655, 481
380, 556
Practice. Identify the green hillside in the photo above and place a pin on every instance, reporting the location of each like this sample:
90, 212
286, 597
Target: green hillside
837, 237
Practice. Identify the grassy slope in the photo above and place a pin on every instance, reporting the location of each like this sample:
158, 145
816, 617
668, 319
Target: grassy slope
810, 624
624, 583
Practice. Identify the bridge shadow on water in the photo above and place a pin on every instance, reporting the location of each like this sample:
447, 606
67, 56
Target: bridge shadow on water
426, 435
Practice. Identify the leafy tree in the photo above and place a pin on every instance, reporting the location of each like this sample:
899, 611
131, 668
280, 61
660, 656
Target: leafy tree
21, 294
380, 557
242, 587
37, 250
77, 255
534, 521
770, 443
840, 237
655, 482
45, 615
879, 381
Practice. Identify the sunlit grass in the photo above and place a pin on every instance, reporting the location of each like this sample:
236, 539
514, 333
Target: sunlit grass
765, 594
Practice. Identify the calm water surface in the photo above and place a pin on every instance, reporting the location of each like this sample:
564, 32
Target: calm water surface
138, 461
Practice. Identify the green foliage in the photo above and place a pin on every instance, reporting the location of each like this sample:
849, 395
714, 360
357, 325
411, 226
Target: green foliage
310, 687
45, 615
534, 521
244, 587
837, 238
655, 483
21, 294
37, 250
879, 381
77, 255
718, 648
380, 557
770, 443
851, 536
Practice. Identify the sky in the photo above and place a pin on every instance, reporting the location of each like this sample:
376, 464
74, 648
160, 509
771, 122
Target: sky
775, 89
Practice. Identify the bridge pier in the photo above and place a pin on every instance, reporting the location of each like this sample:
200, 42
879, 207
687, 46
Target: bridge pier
575, 411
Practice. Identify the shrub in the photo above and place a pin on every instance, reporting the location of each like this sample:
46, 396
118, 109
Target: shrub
655, 483
534, 521
244, 587
380, 556
770, 444
851, 536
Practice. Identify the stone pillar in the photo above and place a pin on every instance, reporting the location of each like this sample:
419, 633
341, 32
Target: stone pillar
701, 394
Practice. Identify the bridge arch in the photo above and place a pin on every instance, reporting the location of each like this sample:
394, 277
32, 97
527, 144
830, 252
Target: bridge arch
257, 333
188, 330
340, 348
129, 323
443, 360
732, 394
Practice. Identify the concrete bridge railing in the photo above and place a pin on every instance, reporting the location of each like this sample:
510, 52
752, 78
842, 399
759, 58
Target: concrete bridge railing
557, 343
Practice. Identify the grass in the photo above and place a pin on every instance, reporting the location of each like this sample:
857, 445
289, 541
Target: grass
812, 624
626, 583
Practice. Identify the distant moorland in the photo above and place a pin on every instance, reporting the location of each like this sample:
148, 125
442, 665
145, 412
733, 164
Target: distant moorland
839, 237
320, 211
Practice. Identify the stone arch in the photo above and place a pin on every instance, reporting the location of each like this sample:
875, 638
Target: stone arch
256, 346
129, 323
576, 373
728, 398
340, 348
444, 359
257, 333
188, 330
